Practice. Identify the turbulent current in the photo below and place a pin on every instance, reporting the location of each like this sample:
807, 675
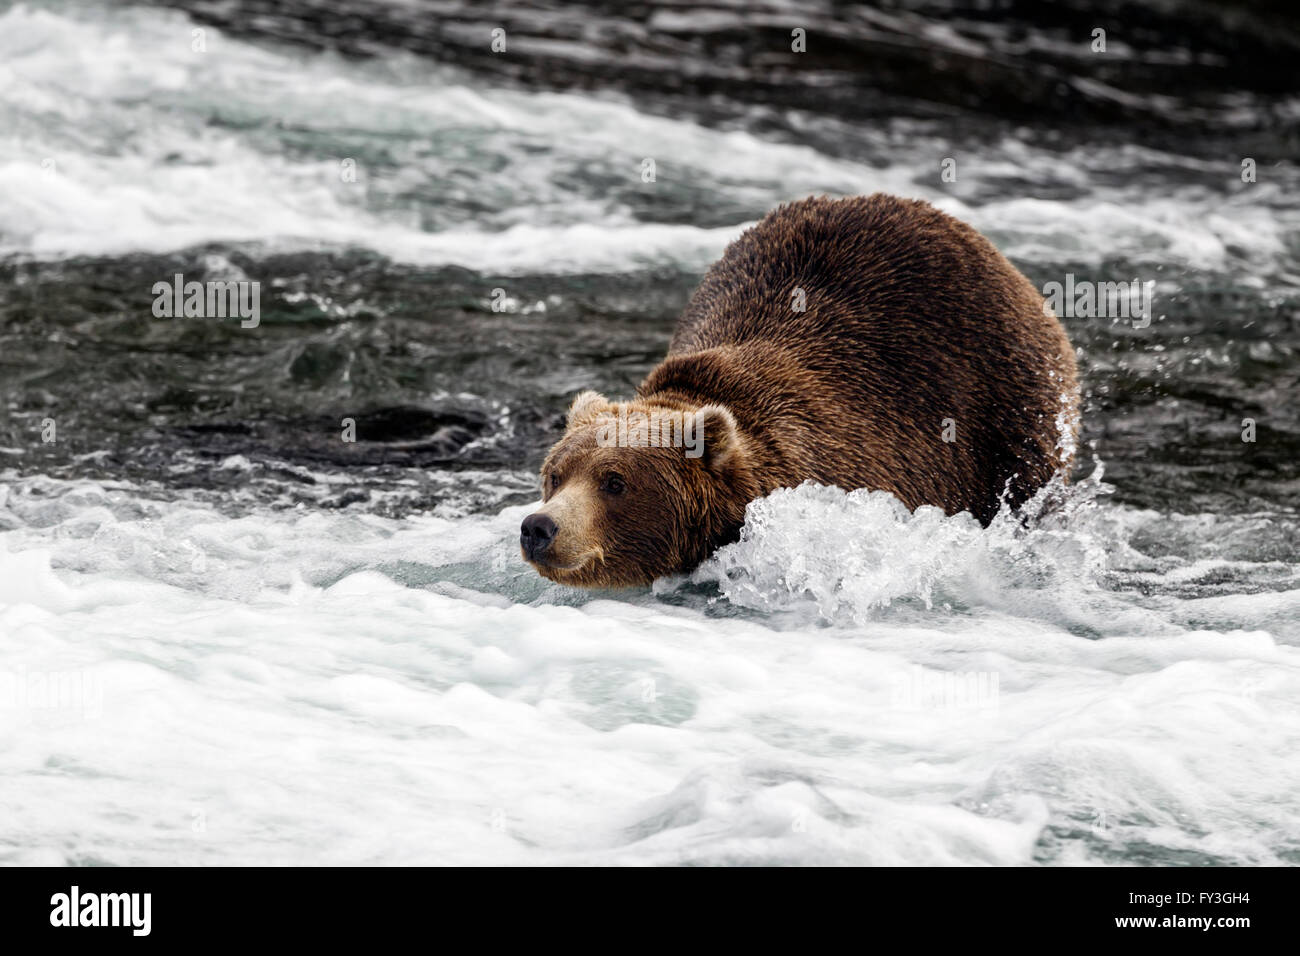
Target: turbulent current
228, 635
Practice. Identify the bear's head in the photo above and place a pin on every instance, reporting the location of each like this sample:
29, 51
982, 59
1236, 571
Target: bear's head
635, 490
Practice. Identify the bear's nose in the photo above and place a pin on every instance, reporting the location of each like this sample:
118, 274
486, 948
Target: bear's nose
536, 533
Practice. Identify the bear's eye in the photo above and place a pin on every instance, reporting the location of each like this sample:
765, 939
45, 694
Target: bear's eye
553, 479
613, 484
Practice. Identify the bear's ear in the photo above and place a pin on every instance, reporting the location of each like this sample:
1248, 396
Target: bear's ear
716, 429
585, 405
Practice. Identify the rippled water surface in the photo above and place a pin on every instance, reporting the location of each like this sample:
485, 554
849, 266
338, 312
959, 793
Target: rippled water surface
225, 631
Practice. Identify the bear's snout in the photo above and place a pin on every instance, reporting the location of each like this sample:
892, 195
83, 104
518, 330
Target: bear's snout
536, 534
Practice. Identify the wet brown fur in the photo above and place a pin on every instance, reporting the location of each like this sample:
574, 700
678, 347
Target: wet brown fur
912, 317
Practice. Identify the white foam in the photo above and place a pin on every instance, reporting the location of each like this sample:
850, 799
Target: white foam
349, 689
116, 136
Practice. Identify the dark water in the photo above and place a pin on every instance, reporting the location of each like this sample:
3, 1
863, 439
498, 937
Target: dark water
436, 380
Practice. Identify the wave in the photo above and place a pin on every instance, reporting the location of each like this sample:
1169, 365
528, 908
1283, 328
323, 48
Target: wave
1061, 709
820, 553
117, 137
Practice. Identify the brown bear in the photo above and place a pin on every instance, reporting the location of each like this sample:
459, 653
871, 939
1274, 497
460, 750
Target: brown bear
867, 343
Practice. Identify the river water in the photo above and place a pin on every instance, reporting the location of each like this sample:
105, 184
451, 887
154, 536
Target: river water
229, 636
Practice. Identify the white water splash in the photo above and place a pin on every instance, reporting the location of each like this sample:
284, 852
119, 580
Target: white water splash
106, 155
225, 683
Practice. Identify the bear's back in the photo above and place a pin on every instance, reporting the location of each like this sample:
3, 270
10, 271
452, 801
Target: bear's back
871, 267
899, 319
